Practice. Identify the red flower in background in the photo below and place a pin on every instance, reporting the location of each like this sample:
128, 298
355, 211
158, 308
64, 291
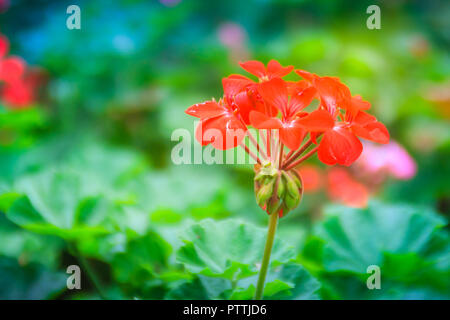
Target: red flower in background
312, 177
12, 69
19, 93
352, 186
18, 82
343, 188
4, 46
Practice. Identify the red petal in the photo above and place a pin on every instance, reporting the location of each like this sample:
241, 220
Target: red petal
305, 75
233, 85
340, 146
254, 67
276, 70
239, 76
223, 133
375, 131
360, 104
275, 93
317, 121
363, 118
245, 105
295, 87
261, 121
332, 92
205, 110
292, 135
301, 100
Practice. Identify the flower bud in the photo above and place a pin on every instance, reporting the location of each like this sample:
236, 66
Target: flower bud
277, 190
265, 192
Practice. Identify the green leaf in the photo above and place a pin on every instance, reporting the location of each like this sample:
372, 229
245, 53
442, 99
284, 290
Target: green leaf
7, 199
357, 239
55, 195
59, 202
302, 286
140, 266
25, 215
230, 249
201, 288
26, 246
408, 244
290, 282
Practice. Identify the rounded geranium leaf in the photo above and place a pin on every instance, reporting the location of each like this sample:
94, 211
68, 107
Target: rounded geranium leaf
229, 249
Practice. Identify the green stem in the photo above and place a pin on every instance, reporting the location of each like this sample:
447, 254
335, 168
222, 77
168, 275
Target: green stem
273, 220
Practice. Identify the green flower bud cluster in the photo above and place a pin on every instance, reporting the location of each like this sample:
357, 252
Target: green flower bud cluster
277, 191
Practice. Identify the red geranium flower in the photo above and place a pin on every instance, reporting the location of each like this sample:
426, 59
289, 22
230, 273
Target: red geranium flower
221, 122
275, 93
273, 104
340, 144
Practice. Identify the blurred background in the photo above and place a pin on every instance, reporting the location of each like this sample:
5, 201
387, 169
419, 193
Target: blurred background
86, 118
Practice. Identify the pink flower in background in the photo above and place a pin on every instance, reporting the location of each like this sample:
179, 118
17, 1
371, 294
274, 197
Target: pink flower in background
4, 5
391, 158
232, 35
170, 3
353, 186
234, 38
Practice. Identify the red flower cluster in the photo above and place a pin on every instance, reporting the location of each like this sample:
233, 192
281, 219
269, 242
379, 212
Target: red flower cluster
18, 83
275, 104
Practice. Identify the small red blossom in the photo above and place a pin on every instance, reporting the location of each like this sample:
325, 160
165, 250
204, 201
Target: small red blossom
340, 144
221, 122
275, 93
273, 70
